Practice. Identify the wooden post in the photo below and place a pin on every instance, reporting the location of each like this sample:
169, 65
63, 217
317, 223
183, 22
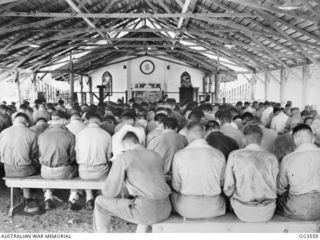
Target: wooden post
71, 80
81, 89
17, 81
283, 84
217, 81
266, 85
306, 76
90, 89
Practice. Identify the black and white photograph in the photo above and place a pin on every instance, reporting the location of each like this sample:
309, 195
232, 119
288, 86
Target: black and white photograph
133, 119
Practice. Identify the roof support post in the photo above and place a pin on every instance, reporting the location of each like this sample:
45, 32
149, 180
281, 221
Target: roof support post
71, 80
90, 89
17, 81
217, 82
306, 76
283, 85
266, 85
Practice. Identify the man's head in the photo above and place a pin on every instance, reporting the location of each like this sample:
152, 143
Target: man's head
305, 114
224, 116
130, 140
195, 130
252, 135
128, 118
171, 103
171, 123
3, 109
21, 118
160, 119
294, 111
41, 121
94, 118
246, 117
58, 117
196, 116
302, 133
42, 106
212, 125
61, 102
207, 107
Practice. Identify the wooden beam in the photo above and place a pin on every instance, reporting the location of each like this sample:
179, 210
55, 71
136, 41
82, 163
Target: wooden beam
6, 1
125, 15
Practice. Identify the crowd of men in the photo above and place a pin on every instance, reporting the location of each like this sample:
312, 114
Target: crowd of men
198, 160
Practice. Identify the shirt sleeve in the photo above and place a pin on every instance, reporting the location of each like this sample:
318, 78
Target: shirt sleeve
113, 185
229, 180
283, 182
176, 178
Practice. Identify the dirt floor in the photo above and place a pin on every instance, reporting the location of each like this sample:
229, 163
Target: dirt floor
59, 220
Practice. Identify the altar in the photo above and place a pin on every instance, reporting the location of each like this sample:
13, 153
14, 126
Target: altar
143, 92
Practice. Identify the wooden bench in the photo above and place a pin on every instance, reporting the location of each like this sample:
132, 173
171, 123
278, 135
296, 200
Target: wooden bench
39, 182
231, 224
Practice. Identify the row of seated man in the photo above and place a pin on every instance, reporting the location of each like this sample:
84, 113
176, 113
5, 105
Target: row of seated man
195, 172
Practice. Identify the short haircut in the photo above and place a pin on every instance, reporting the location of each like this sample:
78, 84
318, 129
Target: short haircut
24, 107
239, 103
3, 107
91, 115
305, 113
131, 136
60, 102
41, 119
206, 107
212, 124
302, 127
194, 124
171, 123
128, 115
171, 101
255, 133
224, 115
59, 114
23, 115
160, 118
196, 114
248, 116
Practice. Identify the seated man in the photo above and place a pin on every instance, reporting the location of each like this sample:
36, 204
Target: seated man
197, 177
18, 152
225, 118
168, 143
75, 125
57, 156
299, 181
93, 151
140, 172
251, 179
155, 133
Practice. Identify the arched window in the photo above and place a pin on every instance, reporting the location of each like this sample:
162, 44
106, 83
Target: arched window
107, 82
186, 80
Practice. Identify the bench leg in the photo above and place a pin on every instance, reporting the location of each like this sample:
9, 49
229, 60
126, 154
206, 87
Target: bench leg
12, 206
143, 228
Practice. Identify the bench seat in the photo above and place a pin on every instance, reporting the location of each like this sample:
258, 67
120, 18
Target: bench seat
39, 182
229, 223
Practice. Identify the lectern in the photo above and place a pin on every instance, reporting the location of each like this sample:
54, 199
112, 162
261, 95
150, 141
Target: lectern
188, 94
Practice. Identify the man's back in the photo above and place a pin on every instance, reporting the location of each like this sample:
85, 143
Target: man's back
17, 146
142, 169
169, 143
75, 126
251, 175
56, 147
41, 113
301, 170
93, 146
228, 130
268, 139
198, 170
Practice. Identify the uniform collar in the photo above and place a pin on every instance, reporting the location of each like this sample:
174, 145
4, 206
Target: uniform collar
198, 143
253, 147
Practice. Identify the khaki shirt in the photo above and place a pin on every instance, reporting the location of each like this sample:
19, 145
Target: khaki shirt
300, 171
251, 175
141, 171
198, 170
